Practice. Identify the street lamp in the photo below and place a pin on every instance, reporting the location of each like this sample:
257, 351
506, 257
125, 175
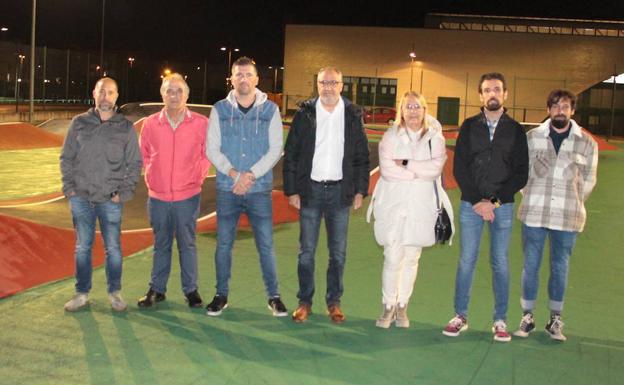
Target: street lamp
275, 68
130, 65
412, 56
229, 68
102, 36
18, 80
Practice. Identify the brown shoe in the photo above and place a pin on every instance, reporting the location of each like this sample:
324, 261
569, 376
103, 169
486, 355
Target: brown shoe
302, 312
335, 314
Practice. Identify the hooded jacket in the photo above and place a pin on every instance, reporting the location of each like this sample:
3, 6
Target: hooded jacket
100, 158
249, 141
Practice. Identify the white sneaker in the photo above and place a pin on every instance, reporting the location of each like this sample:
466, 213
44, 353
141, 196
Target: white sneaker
386, 318
78, 301
117, 303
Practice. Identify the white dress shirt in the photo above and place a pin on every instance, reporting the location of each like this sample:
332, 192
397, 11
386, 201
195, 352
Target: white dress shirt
329, 145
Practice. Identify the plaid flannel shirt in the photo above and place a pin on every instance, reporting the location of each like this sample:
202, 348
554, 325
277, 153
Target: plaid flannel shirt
560, 183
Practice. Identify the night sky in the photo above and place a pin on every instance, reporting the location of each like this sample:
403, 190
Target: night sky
194, 30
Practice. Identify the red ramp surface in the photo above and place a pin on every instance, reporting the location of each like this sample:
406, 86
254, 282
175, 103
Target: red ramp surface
32, 254
19, 136
603, 145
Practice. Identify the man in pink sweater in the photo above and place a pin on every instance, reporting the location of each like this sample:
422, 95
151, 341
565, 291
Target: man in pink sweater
173, 146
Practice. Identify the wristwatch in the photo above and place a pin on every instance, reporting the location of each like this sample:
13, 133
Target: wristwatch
404, 163
495, 201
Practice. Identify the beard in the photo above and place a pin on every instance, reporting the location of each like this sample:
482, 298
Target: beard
493, 105
105, 107
560, 121
330, 99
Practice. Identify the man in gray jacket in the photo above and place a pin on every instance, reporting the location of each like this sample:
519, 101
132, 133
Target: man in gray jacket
100, 166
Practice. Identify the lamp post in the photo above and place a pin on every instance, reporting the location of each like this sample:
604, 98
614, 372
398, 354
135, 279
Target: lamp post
5, 87
412, 56
229, 67
18, 80
130, 65
275, 68
102, 37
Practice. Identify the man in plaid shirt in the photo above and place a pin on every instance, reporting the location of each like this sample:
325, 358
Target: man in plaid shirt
562, 173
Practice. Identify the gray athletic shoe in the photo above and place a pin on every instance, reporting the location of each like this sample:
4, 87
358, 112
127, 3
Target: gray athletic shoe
79, 301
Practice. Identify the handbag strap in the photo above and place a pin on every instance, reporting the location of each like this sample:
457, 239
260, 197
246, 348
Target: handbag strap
435, 185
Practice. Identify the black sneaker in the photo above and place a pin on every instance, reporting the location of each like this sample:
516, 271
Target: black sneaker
277, 306
554, 328
215, 308
527, 325
150, 298
193, 299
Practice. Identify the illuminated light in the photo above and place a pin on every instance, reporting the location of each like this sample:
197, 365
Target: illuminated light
618, 79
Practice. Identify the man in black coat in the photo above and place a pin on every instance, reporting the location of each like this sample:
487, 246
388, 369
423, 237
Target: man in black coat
326, 171
491, 164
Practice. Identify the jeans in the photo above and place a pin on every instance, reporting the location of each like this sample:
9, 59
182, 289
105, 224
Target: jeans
84, 215
259, 209
561, 245
471, 225
324, 201
167, 219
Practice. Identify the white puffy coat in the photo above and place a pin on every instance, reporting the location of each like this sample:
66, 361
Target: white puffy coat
404, 203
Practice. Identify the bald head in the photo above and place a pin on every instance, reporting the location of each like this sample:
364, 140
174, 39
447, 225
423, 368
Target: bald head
108, 81
105, 96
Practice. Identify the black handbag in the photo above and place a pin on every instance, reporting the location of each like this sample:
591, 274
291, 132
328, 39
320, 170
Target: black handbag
442, 228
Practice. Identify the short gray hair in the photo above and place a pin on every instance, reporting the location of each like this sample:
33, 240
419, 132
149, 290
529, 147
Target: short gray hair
174, 76
330, 69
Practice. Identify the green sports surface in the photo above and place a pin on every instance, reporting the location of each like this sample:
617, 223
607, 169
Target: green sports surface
172, 344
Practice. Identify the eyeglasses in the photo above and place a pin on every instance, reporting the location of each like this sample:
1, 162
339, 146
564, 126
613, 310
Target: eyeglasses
329, 83
414, 107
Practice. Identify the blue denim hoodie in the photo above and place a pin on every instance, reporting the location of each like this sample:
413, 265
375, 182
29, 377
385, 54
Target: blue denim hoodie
246, 142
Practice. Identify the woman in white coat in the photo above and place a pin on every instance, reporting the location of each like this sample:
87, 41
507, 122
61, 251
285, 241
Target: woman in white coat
411, 157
